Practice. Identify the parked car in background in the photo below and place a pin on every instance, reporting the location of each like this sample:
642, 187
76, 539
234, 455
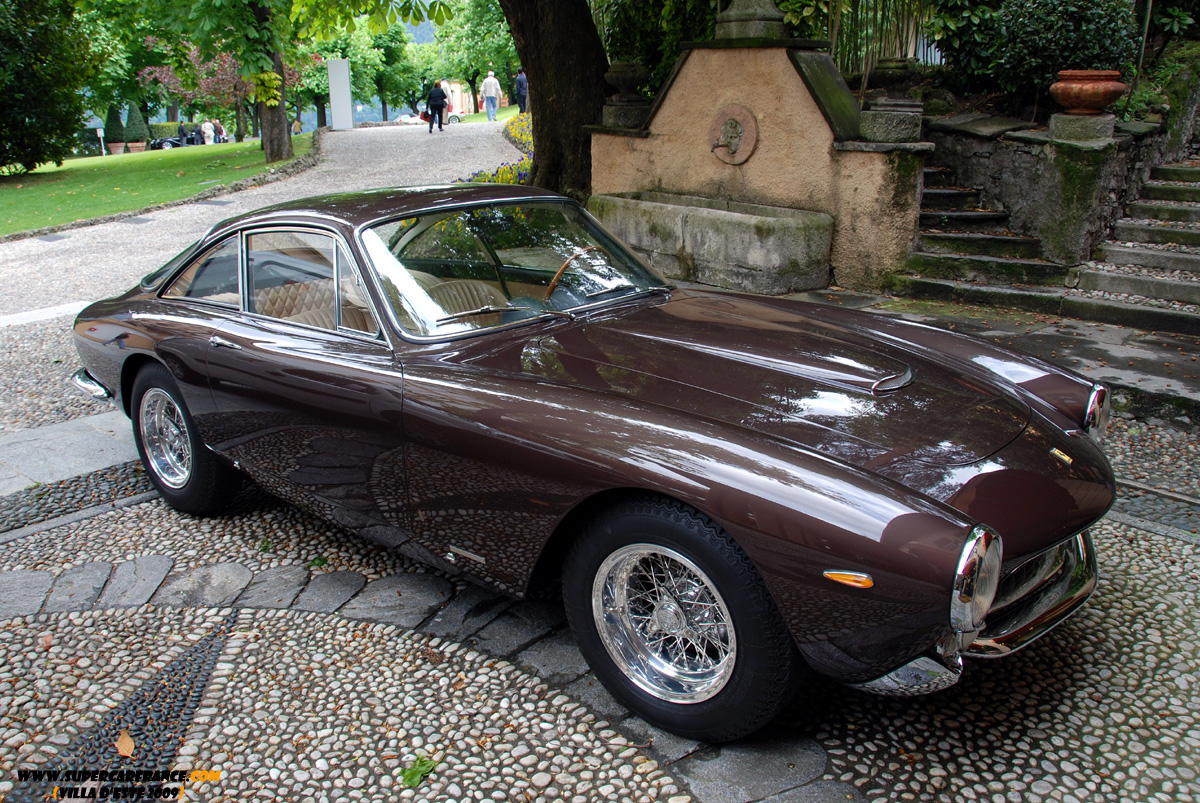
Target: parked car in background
167, 143
733, 492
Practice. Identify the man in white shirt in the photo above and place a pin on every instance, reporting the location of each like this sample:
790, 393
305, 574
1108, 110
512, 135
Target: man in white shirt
491, 94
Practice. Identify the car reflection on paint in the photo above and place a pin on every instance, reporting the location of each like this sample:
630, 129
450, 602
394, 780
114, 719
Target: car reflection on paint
734, 492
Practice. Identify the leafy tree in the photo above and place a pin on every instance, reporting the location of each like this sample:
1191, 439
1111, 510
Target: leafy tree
258, 33
365, 62
965, 33
123, 44
427, 67
41, 73
477, 40
397, 73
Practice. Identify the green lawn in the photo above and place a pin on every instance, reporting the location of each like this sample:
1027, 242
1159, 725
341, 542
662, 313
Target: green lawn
502, 114
105, 185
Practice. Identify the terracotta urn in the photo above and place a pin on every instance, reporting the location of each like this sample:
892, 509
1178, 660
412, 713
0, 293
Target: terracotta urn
1087, 91
135, 147
116, 148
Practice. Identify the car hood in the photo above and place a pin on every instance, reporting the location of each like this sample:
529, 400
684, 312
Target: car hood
831, 385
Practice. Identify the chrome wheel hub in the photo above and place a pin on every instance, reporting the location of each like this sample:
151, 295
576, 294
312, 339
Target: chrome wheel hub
165, 438
663, 623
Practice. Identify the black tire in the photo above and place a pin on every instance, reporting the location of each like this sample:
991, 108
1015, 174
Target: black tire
186, 474
757, 677
453, 119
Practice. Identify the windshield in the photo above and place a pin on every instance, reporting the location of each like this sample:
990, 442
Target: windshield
154, 278
455, 271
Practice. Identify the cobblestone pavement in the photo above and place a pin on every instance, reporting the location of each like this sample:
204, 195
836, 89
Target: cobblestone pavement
308, 665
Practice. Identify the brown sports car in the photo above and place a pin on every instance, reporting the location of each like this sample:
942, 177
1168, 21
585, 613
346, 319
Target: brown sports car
735, 491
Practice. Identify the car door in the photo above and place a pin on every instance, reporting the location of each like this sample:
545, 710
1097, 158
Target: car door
306, 385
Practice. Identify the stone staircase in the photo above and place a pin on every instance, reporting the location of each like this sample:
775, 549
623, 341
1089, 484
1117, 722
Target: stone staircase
1154, 253
959, 240
1146, 277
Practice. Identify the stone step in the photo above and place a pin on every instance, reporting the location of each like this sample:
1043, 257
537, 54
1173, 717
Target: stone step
960, 220
1149, 257
937, 198
1175, 173
1160, 287
983, 268
1155, 191
937, 176
1152, 211
1131, 231
996, 245
1048, 301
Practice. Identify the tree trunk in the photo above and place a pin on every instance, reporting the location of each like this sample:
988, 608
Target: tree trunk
173, 111
276, 130
239, 125
383, 103
321, 123
565, 61
254, 122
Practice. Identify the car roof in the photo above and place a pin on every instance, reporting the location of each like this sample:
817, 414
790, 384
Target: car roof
357, 208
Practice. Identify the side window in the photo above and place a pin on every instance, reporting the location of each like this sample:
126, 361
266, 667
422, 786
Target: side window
354, 311
212, 277
291, 277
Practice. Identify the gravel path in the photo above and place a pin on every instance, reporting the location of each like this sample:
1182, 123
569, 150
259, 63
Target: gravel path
102, 260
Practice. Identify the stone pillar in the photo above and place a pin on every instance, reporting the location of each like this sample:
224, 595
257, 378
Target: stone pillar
751, 19
627, 108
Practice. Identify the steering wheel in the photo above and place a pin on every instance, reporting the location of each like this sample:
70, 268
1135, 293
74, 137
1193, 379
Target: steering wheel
558, 274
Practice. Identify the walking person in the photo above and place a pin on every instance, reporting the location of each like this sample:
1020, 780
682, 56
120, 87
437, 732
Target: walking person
436, 103
210, 133
491, 95
522, 89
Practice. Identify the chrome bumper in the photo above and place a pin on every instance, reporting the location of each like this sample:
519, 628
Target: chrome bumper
82, 380
1036, 596
1033, 598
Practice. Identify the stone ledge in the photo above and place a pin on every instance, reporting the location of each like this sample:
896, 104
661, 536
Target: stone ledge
637, 133
885, 147
734, 44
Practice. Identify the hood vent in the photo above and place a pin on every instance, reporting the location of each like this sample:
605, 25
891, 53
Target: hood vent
888, 384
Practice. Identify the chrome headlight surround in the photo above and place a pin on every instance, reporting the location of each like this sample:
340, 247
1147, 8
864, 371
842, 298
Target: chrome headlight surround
1099, 411
976, 580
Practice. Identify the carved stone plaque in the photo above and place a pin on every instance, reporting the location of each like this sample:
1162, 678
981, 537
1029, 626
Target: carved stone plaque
733, 134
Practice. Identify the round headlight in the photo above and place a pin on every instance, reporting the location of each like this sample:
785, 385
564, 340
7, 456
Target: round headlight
977, 580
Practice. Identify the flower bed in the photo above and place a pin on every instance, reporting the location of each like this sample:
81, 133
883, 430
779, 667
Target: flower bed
517, 131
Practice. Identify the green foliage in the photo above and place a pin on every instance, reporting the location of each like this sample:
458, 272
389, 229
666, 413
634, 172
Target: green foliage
135, 125
421, 768
860, 32
650, 31
1037, 38
114, 129
965, 33
41, 73
166, 130
476, 40
397, 73
1154, 89
365, 61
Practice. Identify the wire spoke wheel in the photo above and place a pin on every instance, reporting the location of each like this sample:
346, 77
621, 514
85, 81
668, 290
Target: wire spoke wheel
165, 437
663, 623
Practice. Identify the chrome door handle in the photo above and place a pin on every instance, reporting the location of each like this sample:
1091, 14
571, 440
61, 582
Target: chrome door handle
215, 341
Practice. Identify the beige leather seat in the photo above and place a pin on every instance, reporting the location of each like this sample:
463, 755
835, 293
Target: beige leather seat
463, 295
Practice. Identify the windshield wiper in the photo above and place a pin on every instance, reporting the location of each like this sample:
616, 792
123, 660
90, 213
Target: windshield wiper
655, 288
492, 310
488, 309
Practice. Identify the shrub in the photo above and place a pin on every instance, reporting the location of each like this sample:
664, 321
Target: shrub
114, 129
135, 125
1037, 38
965, 33
163, 130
